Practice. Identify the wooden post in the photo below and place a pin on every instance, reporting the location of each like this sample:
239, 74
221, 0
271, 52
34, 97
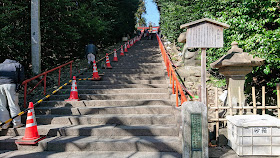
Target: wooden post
240, 101
35, 37
254, 100
278, 98
217, 113
263, 100
229, 102
203, 76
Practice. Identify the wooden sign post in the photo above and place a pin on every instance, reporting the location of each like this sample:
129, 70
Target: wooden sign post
204, 33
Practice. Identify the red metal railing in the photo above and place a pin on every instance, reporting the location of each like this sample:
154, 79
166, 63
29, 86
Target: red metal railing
176, 85
44, 74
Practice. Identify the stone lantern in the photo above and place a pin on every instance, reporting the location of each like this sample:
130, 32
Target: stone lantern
235, 65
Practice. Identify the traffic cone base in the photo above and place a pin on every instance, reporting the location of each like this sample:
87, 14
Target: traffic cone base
72, 100
108, 67
95, 79
31, 135
29, 142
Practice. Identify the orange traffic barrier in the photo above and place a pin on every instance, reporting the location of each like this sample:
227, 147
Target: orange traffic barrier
122, 54
31, 135
95, 76
115, 55
125, 48
74, 91
108, 64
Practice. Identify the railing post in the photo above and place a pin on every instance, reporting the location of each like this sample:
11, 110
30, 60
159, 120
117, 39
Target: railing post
263, 100
59, 73
45, 83
278, 98
240, 101
217, 113
170, 76
70, 70
25, 95
177, 96
254, 101
173, 90
229, 102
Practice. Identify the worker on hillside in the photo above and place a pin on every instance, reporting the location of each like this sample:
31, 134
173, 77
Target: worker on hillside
91, 52
11, 77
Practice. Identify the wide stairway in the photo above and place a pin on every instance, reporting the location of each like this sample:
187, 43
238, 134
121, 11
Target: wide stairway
128, 113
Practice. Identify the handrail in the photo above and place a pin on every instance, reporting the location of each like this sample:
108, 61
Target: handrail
44, 79
172, 73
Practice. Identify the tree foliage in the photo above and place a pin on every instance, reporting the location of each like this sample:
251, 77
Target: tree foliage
66, 27
255, 25
141, 21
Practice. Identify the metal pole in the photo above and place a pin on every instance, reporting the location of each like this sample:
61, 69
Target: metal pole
203, 76
35, 37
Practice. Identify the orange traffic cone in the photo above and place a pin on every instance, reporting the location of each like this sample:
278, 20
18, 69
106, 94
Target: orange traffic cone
31, 135
128, 45
74, 91
134, 40
115, 56
108, 65
131, 43
125, 48
122, 54
95, 76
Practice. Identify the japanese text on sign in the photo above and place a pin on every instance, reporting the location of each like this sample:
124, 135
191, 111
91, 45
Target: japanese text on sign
196, 132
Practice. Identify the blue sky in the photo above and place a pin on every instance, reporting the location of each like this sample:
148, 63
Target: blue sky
152, 12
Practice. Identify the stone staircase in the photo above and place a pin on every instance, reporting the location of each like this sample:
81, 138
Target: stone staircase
129, 113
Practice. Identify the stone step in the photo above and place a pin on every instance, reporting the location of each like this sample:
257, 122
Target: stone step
112, 75
108, 77
92, 154
115, 91
137, 64
143, 109
121, 82
102, 119
141, 72
109, 103
121, 96
119, 86
142, 67
97, 130
134, 71
92, 143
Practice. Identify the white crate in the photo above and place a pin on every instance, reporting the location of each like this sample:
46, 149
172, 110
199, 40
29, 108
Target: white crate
254, 134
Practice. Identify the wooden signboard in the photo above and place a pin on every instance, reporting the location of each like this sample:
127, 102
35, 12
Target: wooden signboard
204, 33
